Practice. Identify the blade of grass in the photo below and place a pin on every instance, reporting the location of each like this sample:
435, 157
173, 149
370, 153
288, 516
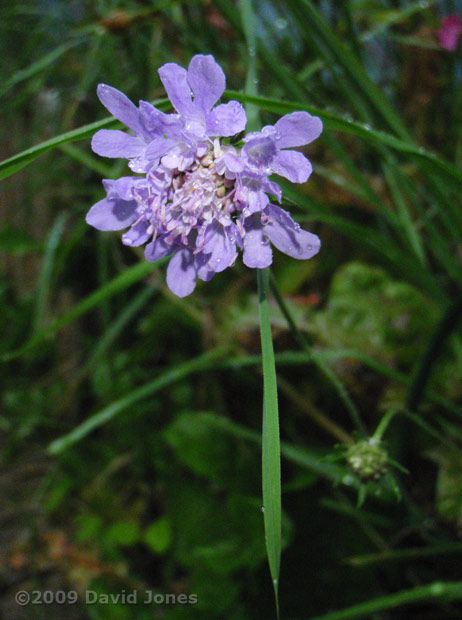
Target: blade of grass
336, 121
437, 591
407, 225
202, 362
271, 459
443, 330
39, 65
403, 262
44, 281
116, 327
318, 34
114, 286
330, 119
16, 162
317, 361
397, 555
87, 160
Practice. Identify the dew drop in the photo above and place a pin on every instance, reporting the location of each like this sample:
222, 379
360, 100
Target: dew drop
281, 23
263, 509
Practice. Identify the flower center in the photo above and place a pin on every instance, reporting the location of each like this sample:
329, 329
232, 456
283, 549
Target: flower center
194, 198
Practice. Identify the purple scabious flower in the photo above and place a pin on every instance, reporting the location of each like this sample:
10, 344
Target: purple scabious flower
195, 196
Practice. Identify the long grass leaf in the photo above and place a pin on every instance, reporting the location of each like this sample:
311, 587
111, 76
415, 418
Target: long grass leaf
271, 465
108, 413
16, 162
439, 590
114, 286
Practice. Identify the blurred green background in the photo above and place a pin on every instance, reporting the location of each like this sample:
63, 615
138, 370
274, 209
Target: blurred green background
130, 419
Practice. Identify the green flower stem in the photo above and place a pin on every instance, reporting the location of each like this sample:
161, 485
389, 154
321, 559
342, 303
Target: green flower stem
271, 459
383, 424
314, 413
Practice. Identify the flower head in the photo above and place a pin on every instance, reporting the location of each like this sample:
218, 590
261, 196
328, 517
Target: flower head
450, 32
198, 198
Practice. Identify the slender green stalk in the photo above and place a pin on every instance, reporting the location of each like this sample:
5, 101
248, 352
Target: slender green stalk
396, 555
248, 23
271, 459
449, 591
119, 283
271, 450
165, 379
317, 361
44, 283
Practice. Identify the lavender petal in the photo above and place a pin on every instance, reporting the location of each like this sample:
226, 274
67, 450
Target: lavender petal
182, 273
175, 81
219, 245
203, 270
137, 235
227, 119
112, 214
257, 250
287, 235
207, 81
122, 187
297, 129
120, 106
157, 249
292, 165
159, 147
116, 143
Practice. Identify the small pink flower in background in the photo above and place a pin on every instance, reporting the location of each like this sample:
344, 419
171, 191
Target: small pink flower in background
450, 32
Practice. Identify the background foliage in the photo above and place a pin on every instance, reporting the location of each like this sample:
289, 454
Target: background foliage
131, 419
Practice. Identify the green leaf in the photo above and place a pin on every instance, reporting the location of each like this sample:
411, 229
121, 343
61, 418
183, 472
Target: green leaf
123, 533
158, 535
271, 458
